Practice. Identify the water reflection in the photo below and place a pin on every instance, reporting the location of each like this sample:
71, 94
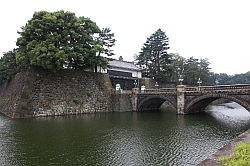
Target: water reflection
119, 138
229, 112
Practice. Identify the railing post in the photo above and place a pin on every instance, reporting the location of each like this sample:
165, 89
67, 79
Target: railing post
181, 89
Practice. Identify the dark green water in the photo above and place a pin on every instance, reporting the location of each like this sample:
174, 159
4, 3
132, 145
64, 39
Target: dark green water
128, 139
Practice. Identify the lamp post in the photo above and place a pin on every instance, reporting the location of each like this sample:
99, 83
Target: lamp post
180, 79
156, 85
180, 73
199, 82
135, 83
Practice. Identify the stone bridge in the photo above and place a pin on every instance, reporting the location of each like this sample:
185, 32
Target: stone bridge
189, 99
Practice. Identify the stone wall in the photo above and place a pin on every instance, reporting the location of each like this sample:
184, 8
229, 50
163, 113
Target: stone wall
121, 102
11, 93
42, 93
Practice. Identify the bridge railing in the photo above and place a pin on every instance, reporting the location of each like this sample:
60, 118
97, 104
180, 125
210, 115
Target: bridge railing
122, 91
160, 90
236, 87
191, 89
217, 88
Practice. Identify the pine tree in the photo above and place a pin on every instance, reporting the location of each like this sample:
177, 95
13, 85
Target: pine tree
153, 58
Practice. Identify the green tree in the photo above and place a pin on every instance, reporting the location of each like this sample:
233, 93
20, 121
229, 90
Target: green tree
191, 71
177, 67
56, 40
225, 79
153, 58
205, 73
106, 41
8, 66
195, 69
241, 78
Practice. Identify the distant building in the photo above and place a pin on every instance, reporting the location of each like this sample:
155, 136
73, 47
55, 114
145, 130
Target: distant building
123, 69
127, 74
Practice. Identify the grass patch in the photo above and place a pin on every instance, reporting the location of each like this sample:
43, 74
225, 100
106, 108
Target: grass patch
89, 94
76, 101
241, 156
50, 99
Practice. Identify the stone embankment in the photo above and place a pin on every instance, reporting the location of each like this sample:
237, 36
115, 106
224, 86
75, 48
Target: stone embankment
37, 92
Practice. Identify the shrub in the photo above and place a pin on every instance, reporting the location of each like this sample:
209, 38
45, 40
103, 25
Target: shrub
76, 101
89, 94
50, 99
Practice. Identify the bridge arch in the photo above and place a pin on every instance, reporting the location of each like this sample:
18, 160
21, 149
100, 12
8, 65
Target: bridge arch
154, 103
200, 103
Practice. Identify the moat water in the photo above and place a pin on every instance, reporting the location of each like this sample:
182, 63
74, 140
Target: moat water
120, 139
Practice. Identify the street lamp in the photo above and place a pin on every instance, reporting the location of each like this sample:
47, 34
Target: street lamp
180, 79
135, 83
199, 82
178, 71
156, 85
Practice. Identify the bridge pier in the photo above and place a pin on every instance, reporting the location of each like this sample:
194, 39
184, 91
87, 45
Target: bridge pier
180, 92
134, 97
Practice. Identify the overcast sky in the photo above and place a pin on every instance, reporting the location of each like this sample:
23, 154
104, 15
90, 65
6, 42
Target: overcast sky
215, 29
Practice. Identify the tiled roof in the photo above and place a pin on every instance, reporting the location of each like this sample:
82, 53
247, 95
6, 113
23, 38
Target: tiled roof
123, 64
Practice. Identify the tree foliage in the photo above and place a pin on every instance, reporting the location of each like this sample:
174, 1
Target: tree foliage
195, 69
157, 63
177, 67
154, 58
8, 66
56, 40
190, 69
225, 79
107, 41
